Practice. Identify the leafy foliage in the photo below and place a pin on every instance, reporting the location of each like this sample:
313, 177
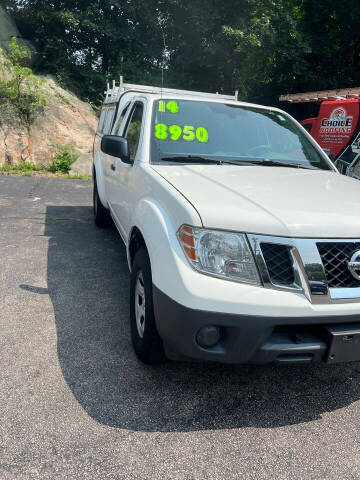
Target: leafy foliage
261, 47
22, 87
84, 42
22, 167
34, 169
65, 155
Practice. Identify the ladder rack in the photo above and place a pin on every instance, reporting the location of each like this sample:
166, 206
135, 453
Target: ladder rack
113, 93
341, 94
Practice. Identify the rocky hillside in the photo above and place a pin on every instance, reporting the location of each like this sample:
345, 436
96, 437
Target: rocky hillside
29, 131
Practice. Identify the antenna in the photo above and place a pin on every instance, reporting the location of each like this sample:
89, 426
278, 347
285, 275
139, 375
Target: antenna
161, 22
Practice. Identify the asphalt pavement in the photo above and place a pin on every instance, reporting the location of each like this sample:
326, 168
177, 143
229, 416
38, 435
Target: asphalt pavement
75, 403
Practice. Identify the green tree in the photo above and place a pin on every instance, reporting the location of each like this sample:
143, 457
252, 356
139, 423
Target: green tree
85, 42
252, 46
261, 47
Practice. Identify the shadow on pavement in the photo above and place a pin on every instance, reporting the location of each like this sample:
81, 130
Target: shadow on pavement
88, 283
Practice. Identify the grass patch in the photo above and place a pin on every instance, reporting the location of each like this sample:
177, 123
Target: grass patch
64, 157
28, 169
80, 176
22, 167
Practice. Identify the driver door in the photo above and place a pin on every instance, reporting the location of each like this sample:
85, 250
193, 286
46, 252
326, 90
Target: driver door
123, 173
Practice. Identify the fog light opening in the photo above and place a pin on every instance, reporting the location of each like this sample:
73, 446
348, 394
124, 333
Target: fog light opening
208, 336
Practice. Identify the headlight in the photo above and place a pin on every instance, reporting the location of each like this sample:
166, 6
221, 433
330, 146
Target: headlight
221, 254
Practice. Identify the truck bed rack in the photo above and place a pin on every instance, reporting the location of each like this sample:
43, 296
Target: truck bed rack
114, 92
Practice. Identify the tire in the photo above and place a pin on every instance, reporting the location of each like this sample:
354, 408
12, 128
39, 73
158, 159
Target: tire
146, 341
102, 215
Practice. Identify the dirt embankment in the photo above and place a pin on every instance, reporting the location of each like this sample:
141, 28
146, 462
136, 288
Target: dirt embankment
63, 119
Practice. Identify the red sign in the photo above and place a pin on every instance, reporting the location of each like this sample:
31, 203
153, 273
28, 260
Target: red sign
335, 125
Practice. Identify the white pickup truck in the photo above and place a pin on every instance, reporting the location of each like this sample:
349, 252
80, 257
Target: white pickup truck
243, 240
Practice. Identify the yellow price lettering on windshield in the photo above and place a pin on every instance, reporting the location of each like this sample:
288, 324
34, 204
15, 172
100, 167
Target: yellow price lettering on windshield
172, 106
161, 131
202, 134
187, 133
175, 132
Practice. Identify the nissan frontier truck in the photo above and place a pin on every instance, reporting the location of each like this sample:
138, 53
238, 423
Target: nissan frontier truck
242, 238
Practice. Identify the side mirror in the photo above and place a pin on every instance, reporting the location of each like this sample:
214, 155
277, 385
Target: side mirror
330, 154
116, 147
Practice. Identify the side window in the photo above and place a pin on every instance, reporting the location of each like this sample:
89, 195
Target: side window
121, 119
101, 121
134, 128
103, 125
109, 120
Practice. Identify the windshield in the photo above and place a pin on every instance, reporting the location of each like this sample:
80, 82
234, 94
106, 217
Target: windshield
219, 131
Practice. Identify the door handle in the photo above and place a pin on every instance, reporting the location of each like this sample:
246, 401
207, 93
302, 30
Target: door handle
112, 166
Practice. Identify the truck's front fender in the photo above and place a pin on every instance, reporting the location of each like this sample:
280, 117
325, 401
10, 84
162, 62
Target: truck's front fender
160, 236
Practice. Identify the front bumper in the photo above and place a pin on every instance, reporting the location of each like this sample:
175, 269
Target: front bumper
246, 338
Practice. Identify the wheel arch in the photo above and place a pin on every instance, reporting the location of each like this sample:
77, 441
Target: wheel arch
136, 241
158, 221
153, 229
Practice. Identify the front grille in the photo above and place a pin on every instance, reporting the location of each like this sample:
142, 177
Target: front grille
335, 257
279, 264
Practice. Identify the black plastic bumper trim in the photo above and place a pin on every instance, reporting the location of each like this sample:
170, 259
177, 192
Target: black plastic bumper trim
246, 338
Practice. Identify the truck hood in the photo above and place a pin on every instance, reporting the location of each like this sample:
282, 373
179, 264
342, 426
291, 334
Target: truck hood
270, 200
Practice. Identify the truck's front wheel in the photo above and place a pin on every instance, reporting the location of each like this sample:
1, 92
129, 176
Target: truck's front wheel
146, 340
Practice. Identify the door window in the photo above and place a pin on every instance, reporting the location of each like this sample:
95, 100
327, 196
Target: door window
108, 121
102, 121
121, 119
134, 129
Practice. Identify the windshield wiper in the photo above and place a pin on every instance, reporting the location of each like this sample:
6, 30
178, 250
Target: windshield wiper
276, 163
197, 159
241, 161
